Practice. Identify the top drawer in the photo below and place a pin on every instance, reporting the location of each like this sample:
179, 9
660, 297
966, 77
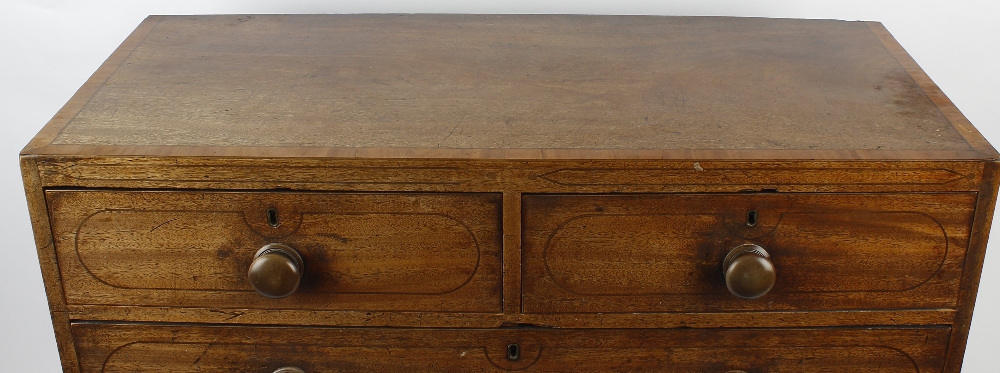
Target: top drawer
373, 252
665, 253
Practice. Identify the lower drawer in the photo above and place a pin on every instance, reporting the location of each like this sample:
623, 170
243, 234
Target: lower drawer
173, 348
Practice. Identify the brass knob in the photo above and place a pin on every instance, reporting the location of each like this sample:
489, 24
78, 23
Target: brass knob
749, 271
289, 370
276, 270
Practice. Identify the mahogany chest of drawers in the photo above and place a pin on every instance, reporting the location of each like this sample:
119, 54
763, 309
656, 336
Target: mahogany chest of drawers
510, 193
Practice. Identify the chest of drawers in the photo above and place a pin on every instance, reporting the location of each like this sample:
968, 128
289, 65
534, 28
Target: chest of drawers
510, 193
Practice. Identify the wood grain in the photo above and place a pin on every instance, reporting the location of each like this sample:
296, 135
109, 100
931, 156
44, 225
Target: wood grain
934, 93
664, 253
985, 205
702, 320
371, 252
641, 176
49, 263
512, 256
91, 87
372, 85
457, 183
508, 154
116, 348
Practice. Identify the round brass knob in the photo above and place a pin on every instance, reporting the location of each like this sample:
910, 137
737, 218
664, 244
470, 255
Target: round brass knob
289, 370
749, 271
276, 270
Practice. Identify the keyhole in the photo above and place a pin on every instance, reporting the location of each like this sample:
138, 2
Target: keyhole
513, 352
272, 218
751, 218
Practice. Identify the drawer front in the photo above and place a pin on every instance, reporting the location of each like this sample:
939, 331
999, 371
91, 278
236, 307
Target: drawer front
373, 252
165, 348
665, 253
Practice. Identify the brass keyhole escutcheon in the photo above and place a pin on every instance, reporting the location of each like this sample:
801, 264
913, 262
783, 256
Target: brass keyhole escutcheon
276, 270
749, 271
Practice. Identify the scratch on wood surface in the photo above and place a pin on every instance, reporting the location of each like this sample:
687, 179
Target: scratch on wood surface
452, 131
231, 314
162, 224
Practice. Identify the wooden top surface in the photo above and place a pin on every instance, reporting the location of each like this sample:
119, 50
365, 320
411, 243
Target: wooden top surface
511, 86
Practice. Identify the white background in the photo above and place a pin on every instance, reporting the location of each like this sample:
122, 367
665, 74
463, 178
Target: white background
49, 48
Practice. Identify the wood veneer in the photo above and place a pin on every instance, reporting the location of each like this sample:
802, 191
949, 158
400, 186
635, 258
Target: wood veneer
662, 253
376, 252
122, 348
598, 166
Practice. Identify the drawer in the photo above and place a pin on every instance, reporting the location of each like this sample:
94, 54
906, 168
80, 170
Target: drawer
371, 252
166, 348
665, 253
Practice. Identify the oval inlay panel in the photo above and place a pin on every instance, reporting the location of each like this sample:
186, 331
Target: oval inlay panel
202, 357
673, 254
196, 250
344, 253
210, 357
861, 359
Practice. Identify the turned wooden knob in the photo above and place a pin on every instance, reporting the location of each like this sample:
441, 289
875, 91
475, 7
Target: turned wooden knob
276, 270
749, 271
